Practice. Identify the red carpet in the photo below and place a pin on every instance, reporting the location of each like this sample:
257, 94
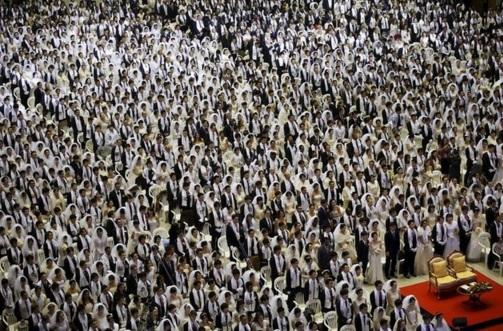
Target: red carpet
451, 304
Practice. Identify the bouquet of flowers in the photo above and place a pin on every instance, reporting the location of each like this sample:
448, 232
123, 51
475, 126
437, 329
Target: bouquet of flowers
480, 287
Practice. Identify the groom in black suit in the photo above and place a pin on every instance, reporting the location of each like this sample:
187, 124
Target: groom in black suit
392, 246
410, 244
489, 162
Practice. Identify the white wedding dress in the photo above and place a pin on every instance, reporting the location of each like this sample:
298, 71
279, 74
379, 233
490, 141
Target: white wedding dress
424, 251
452, 243
375, 269
498, 176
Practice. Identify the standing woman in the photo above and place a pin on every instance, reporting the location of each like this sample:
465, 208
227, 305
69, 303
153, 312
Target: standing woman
375, 269
412, 312
474, 250
392, 293
452, 243
424, 248
59, 322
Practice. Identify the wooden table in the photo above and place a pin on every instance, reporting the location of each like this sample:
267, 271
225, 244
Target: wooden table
473, 293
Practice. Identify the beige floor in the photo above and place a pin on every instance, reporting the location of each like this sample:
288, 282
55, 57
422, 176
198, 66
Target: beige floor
480, 267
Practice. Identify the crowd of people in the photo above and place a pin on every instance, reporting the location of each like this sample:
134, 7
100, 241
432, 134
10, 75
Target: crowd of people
242, 165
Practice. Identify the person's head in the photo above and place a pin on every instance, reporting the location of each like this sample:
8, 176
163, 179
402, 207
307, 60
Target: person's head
365, 236
378, 285
411, 224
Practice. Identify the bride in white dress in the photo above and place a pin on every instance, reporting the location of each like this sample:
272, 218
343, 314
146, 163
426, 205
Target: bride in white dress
498, 176
474, 250
424, 248
452, 243
375, 269
412, 312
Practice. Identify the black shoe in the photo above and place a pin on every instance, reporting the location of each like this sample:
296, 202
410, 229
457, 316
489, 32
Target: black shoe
407, 276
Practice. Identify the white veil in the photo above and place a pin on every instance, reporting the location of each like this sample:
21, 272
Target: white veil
275, 304
406, 302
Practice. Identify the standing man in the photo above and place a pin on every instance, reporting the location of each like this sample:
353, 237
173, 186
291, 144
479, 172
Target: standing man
465, 225
392, 247
410, 244
186, 200
363, 321
344, 309
362, 251
439, 235
490, 163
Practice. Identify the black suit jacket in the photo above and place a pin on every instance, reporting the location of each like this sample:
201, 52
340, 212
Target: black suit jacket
359, 322
193, 300
275, 269
66, 267
263, 225
27, 274
392, 243
393, 318
168, 273
323, 217
17, 310
114, 197
374, 301
340, 315
362, 251
78, 325
220, 318
494, 233
232, 239
289, 280
11, 258
131, 284
486, 166
490, 217
324, 258
408, 245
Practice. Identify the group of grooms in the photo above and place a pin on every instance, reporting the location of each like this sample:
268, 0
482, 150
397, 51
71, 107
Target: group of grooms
212, 164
